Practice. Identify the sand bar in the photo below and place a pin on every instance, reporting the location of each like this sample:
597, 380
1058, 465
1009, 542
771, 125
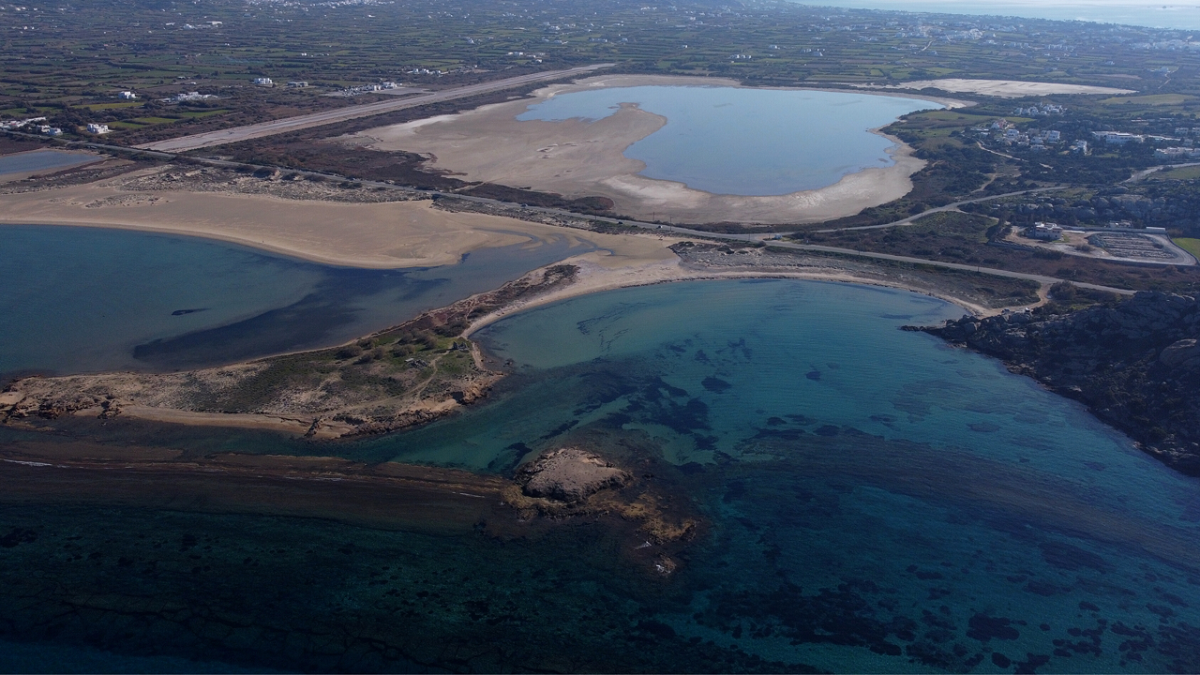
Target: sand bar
372, 235
1001, 88
576, 159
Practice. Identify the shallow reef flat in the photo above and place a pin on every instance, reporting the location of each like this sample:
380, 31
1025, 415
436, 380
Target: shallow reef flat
790, 485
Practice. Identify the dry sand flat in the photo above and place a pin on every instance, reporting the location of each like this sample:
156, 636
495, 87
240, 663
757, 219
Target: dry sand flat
576, 159
1002, 88
378, 235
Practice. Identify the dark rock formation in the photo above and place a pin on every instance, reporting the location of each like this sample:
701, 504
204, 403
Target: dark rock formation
1136, 364
569, 475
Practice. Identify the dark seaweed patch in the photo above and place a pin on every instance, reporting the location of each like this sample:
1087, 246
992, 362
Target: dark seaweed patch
18, 536
984, 628
716, 385
1067, 557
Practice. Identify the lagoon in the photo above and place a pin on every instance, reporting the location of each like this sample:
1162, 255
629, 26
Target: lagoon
741, 141
87, 299
42, 160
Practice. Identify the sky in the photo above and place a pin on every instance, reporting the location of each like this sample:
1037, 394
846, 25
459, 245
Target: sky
1161, 14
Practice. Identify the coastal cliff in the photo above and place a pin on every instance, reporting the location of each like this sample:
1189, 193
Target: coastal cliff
1135, 364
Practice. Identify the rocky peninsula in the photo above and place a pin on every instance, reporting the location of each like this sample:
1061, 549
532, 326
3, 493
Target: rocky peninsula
1135, 364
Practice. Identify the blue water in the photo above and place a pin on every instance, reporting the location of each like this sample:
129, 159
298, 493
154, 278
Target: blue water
84, 299
1171, 15
860, 467
873, 501
41, 160
726, 140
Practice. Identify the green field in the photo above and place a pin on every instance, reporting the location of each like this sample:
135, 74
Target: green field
1190, 245
1184, 173
1153, 99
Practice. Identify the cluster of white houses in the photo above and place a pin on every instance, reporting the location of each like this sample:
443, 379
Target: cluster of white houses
46, 129
1172, 154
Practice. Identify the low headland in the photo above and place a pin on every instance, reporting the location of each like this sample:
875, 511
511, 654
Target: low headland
1134, 364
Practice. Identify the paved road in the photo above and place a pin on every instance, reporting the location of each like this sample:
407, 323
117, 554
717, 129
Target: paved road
1139, 175
700, 234
948, 207
223, 136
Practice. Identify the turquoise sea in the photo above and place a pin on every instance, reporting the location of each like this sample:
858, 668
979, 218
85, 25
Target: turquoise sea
727, 140
874, 502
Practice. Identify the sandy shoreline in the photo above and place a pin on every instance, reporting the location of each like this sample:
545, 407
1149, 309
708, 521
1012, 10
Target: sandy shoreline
382, 235
579, 159
595, 276
597, 272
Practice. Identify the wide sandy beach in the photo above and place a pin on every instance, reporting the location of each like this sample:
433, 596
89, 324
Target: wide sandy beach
576, 159
368, 235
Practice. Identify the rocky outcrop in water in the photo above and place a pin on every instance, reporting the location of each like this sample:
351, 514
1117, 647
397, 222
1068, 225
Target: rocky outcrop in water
569, 475
1136, 364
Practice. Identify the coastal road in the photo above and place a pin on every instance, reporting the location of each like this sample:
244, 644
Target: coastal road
792, 246
653, 227
1139, 175
250, 131
1041, 279
940, 209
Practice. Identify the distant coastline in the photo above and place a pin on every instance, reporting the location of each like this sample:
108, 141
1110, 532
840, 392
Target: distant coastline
1142, 14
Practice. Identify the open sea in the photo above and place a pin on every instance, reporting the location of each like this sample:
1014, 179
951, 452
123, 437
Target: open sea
771, 142
1151, 13
873, 500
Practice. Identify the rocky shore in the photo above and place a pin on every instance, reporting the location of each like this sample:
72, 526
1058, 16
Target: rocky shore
1135, 364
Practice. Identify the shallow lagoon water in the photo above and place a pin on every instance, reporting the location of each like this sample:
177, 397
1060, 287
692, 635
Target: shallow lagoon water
727, 140
877, 502
42, 160
85, 299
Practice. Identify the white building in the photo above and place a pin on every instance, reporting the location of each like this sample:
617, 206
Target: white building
1118, 137
264, 82
127, 96
51, 131
189, 96
98, 129
1177, 153
1044, 232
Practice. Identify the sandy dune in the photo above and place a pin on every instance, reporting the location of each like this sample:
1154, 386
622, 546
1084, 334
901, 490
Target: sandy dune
576, 159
